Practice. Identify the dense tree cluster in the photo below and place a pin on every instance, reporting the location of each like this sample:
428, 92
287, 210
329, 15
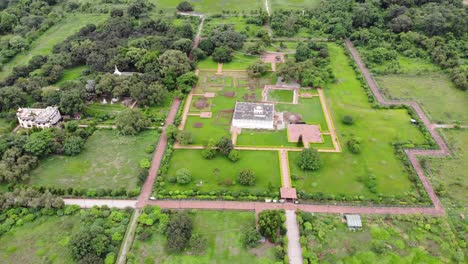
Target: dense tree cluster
271, 224
20, 153
29, 198
179, 231
310, 67
23, 21
222, 41
100, 236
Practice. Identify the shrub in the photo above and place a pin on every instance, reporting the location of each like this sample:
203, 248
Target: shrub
183, 176
234, 155
73, 146
184, 137
179, 231
184, 6
149, 149
347, 120
225, 145
251, 237
246, 177
145, 163
354, 145
309, 159
270, 224
208, 153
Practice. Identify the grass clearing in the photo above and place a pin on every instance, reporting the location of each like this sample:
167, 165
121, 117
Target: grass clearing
383, 239
283, 96
377, 129
223, 231
71, 74
435, 92
237, 22
451, 171
108, 161
240, 62
217, 172
44, 240
209, 7
294, 4
43, 45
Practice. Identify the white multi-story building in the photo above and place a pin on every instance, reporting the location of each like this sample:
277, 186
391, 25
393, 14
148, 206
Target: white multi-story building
254, 115
38, 117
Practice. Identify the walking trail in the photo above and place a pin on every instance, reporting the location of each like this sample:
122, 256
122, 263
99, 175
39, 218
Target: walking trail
128, 239
286, 180
292, 233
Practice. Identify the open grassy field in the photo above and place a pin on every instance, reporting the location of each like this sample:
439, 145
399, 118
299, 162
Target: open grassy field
377, 129
293, 4
223, 231
237, 22
407, 66
451, 171
41, 241
283, 96
279, 138
210, 7
108, 161
383, 239
56, 34
71, 74
438, 96
216, 172
239, 62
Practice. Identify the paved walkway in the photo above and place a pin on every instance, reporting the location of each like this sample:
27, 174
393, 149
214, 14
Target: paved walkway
412, 153
328, 119
292, 233
178, 146
129, 237
157, 157
88, 203
220, 69
284, 163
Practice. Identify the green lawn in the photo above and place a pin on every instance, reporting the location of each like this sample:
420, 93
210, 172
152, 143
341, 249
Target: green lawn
223, 231
56, 34
284, 96
451, 171
310, 110
108, 161
293, 4
214, 173
240, 62
71, 74
44, 240
383, 239
438, 96
207, 63
279, 138
377, 129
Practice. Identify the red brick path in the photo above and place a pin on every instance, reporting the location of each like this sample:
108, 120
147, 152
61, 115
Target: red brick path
157, 157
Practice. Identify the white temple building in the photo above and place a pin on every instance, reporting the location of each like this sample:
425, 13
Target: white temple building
254, 115
119, 73
38, 117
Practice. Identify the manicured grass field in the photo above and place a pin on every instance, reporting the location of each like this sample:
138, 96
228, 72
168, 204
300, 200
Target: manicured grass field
284, 96
293, 4
44, 240
451, 171
240, 62
207, 63
56, 34
397, 239
377, 129
223, 231
310, 110
108, 161
441, 100
277, 138
214, 173
71, 74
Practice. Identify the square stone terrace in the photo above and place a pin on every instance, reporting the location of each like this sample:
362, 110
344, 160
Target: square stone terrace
310, 133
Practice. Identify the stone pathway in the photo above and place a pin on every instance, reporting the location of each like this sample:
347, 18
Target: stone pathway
292, 233
129, 237
411, 153
328, 119
220, 69
188, 102
157, 157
